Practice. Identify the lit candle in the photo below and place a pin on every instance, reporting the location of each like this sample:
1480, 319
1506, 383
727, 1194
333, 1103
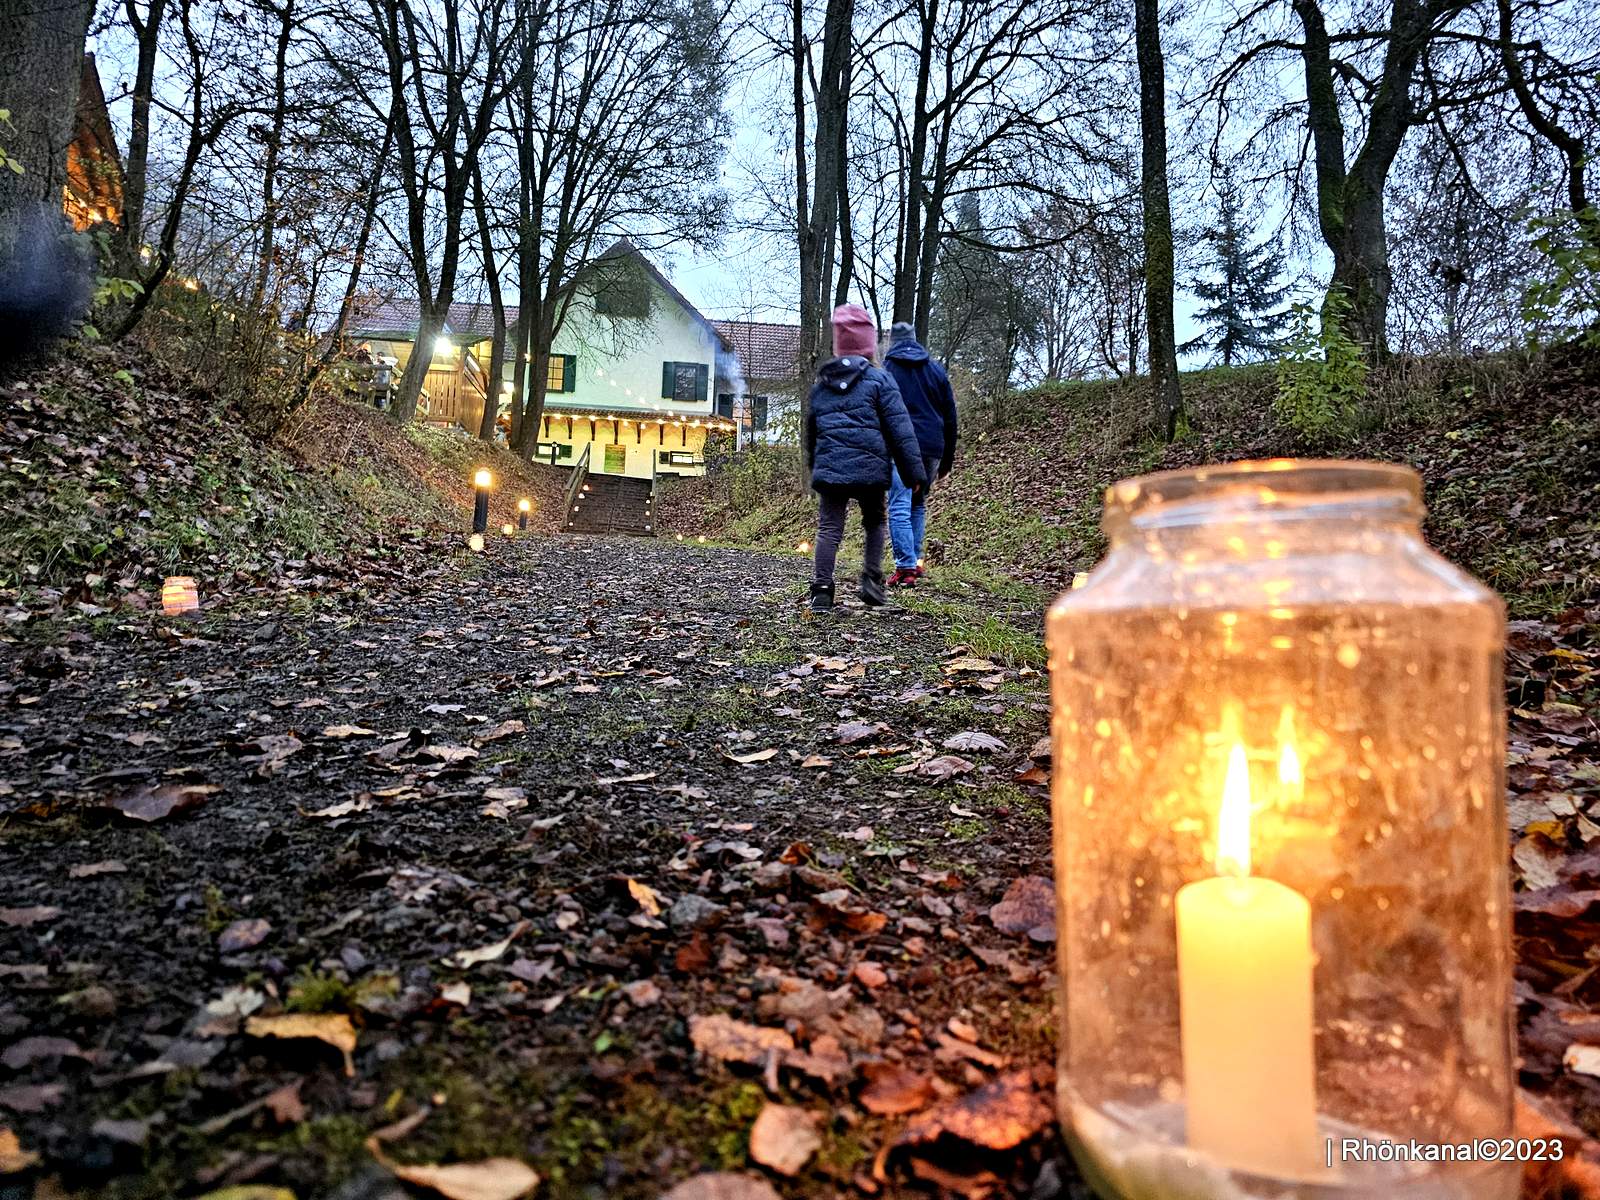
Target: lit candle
179, 596
1244, 995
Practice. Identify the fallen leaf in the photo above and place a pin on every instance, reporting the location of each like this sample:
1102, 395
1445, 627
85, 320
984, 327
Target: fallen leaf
348, 731
642, 993
852, 732
746, 759
463, 959
459, 993
1029, 906
32, 1098
1582, 1059
946, 766
249, 1191
270, 751
784, 1138
813, 762
157, 803
13, 1157
870, 974
333, 1028
503, 730
958, 666
722, 1185
973, 741
491, 1179
893, 1090
89, 870
647, 897
29, 1050
721, 1037
242, 935
21, 918
1000, 1115
642, 777
362, 803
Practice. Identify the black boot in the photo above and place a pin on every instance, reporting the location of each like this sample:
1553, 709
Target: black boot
870, 587
822, 597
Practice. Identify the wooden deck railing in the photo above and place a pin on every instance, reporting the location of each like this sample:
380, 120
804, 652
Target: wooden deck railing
580, 472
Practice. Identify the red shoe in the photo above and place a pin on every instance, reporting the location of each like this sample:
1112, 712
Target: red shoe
903, 577
918, 571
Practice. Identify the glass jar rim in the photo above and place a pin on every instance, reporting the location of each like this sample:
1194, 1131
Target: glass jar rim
1273, 488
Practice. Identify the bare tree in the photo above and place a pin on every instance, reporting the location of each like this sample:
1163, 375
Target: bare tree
1166, 392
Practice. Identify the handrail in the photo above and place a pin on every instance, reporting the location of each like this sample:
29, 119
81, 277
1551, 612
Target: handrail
580, 472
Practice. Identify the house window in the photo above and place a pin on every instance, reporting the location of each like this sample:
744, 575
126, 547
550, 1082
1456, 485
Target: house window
562, 373
676, 458
552, 451
724, 404
758, 413
685, 383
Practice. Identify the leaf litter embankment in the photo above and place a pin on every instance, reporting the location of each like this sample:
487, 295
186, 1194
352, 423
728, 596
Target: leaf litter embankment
584, 855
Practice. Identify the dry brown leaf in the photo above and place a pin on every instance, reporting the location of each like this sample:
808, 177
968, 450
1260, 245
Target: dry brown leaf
462, 959
333, 1028
1029, 906
157, 803
721, 1037
784, 1138
892, 1090
758, 756
348, 731
646, 896
722, 1185
1000, 1115
946, 766
641, 777
21, 918
490, 1179
13, 1157
89, 870
973, 741
852, 732
503, 730
344, 808
242, 935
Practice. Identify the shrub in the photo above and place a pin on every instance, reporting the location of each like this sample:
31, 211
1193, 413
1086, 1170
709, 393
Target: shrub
1565, 305
1323, 374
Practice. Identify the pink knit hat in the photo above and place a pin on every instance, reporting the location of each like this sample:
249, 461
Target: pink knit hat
854, 332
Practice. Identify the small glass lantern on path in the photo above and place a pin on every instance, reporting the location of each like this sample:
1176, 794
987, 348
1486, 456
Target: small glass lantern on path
1280, 844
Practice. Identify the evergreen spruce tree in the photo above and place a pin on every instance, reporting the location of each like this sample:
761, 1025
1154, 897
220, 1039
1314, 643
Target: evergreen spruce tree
1244, 316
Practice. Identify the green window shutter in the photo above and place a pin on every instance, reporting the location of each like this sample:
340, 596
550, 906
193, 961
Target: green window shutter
569, 372
702, 382
668, 370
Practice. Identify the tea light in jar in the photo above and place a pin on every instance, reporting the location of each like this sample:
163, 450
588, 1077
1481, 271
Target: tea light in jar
179, 595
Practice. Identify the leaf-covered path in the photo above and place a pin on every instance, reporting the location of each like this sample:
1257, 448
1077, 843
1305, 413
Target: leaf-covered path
595, 849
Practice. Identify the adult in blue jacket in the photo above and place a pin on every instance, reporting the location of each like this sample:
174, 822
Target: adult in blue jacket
858, 435
925, 388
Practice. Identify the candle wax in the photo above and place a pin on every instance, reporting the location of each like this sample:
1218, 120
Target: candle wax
1244, 983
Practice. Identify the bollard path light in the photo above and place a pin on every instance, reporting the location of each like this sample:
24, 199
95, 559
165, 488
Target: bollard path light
480, 500
1279, 806
524, 506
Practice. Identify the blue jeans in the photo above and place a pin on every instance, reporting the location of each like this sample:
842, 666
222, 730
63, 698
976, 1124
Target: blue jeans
908, 517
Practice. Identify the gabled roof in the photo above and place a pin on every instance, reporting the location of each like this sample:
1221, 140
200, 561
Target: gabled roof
766, 349
622, 246
374, 316
473, 321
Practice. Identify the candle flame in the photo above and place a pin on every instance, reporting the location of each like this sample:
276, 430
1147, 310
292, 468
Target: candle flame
1233, 819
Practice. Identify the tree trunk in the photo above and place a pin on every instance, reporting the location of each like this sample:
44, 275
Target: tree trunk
429, 323
497, 351
136, 173
41, 60
1350, 201
1158, 267
269, 169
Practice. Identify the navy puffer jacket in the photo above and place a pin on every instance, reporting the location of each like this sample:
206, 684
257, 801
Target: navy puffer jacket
857, 426
925, 388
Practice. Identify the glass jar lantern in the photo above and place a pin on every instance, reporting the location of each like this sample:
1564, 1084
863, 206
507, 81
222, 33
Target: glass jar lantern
1280, 844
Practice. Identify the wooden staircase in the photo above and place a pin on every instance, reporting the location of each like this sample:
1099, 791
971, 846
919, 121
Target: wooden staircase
613, 504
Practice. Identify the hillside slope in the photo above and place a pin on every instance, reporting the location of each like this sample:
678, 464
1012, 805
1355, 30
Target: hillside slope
118, 473
1510, 463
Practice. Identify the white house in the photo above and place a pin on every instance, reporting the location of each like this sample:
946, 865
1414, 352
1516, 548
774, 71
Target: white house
632, 373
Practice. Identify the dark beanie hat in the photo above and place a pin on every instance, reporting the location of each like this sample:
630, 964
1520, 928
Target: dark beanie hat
901, 331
